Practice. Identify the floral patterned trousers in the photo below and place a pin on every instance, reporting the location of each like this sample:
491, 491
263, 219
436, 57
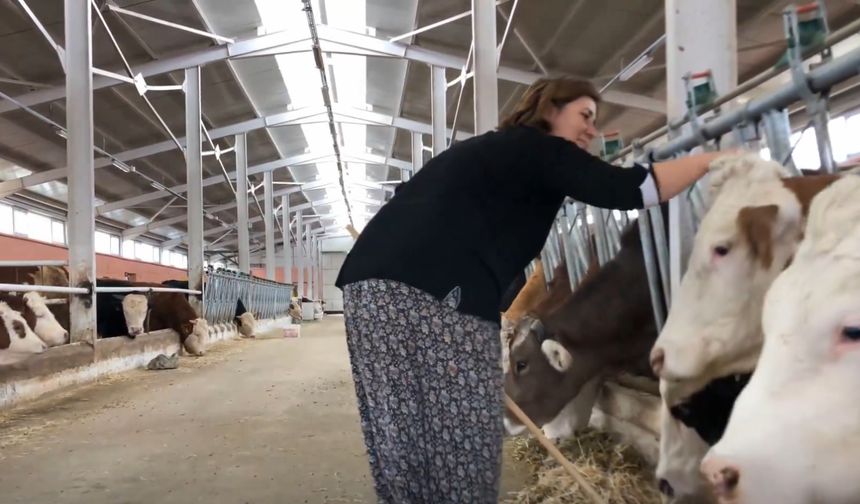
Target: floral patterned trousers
429, 387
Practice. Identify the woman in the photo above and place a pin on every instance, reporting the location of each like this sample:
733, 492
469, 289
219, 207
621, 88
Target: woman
423, 283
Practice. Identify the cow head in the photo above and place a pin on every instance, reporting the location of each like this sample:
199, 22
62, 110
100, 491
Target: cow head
794, 433
17, 340
681, 452
247, 324
540, 375
198, 334
134, 308
745, 240
46, 328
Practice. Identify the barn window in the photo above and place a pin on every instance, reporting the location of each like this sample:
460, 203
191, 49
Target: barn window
39, 227
102, 242
58, 231
128, 249
6, 225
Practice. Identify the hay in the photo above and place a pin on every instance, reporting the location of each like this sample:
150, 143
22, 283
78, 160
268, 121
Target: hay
616, 471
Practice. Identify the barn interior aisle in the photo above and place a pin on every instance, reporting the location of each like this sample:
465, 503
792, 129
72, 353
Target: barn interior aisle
271, 420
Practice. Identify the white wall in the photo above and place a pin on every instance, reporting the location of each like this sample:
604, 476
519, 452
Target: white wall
339, 244
331, 264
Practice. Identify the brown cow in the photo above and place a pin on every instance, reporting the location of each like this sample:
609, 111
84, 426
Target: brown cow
170, 310
528, 296
606, 325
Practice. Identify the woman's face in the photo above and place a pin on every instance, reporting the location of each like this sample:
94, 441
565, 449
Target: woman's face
575, 121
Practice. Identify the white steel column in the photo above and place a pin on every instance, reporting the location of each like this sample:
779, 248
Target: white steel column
269, 221
314, 269
308, 263
79, 158
300, 255
242, 202
486, 82
288, 249
194, 175
417, 152
438, 86
700, 35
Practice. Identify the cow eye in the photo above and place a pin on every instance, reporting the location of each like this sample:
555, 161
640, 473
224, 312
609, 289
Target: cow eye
521, 366
722, 250
851, 333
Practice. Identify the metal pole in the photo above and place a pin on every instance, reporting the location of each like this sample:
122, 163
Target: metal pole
820, 120
242, 203
285, 229
268, 220
486, 85
194, 175
315, 247
777, 131
417, 152
79, 159
439, 110
308, 263
300, 255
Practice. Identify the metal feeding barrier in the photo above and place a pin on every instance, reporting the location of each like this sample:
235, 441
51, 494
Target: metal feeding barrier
581, 230
224, 288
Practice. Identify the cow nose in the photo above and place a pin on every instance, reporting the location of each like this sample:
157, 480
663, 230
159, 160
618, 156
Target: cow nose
723, 476
65, 336
658, 358
666, 488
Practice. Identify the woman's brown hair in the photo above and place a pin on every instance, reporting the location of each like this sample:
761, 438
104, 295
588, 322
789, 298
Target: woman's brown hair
545, 94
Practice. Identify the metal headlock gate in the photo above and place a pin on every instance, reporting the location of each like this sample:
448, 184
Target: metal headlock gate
577, 224
223, 288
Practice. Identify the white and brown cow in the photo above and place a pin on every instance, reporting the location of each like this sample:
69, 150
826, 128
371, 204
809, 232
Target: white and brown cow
39, 318
17, 340
712, 337
794, 434
746, 238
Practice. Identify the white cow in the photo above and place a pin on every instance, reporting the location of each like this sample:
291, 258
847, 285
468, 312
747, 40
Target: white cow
747, 237
17, 340
681, 452
794, 434
195, 343
46, 326
247, 324
135, 308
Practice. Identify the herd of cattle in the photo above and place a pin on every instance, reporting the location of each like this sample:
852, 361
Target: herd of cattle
31, 322
758, 358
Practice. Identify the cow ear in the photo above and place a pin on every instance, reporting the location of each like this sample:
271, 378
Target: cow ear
757, 225
557, 355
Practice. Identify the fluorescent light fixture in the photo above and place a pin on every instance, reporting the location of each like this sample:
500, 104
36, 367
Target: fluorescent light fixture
634, 68
347, 75
158, 187
122, 166
61, 133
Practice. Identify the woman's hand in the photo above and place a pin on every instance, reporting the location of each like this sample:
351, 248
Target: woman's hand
675, 175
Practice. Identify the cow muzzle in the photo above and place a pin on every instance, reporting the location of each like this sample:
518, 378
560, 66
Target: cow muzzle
724, 478
135, 331
513, 429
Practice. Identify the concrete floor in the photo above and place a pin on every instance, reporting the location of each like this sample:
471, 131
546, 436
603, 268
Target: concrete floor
254, 421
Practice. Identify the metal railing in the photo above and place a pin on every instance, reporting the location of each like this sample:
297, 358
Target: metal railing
573, 232
224, 288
